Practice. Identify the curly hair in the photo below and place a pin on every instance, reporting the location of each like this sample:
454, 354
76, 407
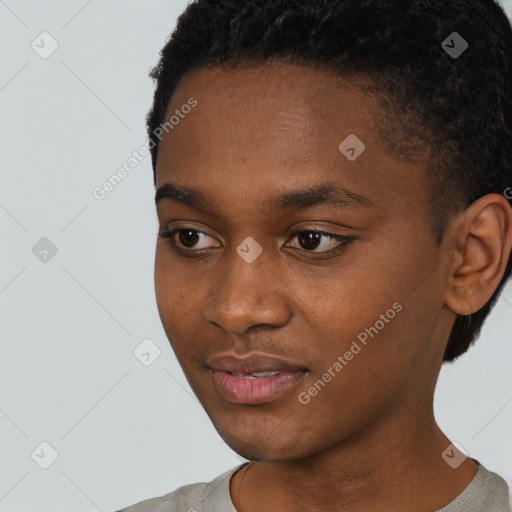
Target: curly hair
458, 108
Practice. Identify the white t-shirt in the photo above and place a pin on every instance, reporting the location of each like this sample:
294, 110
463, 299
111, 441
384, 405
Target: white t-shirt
487, 492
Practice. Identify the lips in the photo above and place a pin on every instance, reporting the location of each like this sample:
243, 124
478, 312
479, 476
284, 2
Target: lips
251, 363
253, 379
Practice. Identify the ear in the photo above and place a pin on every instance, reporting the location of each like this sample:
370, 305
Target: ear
480, 240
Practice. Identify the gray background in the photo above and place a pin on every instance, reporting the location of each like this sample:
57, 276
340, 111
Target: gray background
123, 431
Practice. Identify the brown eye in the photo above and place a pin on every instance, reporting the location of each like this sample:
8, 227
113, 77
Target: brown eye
187, 238
310, 240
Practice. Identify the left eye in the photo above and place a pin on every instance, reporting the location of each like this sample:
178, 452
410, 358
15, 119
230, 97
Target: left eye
311, 240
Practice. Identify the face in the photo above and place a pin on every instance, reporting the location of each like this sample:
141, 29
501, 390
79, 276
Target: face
300, 287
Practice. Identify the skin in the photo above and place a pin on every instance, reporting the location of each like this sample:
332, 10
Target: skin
369, 440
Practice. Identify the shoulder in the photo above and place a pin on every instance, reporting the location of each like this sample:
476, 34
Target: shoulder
198, 497
496, 492
488, 491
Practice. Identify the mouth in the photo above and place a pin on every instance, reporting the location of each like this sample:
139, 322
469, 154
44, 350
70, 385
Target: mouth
253, 379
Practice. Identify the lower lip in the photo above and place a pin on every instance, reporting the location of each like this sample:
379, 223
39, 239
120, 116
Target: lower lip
241, 390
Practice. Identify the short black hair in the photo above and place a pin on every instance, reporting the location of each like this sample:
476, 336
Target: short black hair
457, 108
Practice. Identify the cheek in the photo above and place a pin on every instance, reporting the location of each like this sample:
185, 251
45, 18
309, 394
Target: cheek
163, 290
173, 302
179, 301
379, 319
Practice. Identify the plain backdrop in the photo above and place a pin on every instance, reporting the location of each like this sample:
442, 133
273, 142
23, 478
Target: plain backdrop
76, 280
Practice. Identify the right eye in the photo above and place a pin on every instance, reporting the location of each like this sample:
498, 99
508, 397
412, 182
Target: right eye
186, 238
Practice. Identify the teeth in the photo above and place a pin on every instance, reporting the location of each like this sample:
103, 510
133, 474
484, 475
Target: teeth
264, 374
254, 375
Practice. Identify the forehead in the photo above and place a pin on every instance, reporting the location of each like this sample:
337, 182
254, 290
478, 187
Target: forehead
274, 105
275, 126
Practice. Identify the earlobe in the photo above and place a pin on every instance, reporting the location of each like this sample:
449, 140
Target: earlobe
483, 237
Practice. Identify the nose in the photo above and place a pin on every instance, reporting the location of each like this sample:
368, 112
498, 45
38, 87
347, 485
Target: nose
248, 294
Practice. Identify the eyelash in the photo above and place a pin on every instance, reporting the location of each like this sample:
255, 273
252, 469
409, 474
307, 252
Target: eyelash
169, 234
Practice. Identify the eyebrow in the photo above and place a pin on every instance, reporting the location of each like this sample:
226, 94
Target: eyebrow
326, 194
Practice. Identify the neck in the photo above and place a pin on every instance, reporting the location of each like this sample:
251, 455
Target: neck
396, 464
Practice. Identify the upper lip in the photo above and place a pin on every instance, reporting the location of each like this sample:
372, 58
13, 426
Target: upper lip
251, 363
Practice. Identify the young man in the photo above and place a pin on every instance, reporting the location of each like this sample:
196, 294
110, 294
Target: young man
333, 190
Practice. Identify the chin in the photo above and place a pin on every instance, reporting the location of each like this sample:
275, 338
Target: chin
280, 431
262, 444
261, 453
